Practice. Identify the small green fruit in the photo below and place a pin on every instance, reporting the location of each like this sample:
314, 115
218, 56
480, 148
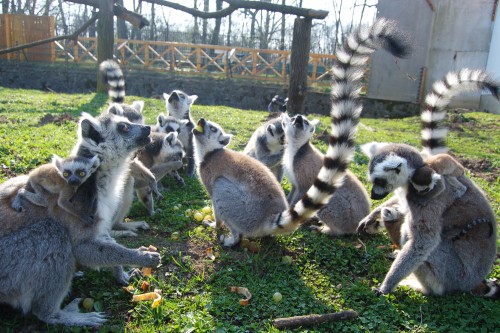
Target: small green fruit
88, 303
277, 297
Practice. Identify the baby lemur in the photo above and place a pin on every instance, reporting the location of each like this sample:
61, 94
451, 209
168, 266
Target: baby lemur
246, 196
62, 177
392, 216
41, 252
448, 241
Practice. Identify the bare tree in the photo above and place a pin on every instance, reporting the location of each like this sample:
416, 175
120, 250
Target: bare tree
206, 8
218, 21
283, 27
121, 27
63, 18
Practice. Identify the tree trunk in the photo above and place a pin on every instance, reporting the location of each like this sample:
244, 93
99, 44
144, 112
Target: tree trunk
204, 28
5, 6
196, 29
216, 31
152, 31
105, 38
283, 28
63, 18
121, 27
299, 59
228, 37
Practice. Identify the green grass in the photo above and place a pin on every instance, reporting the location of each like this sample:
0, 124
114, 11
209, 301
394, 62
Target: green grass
326, 274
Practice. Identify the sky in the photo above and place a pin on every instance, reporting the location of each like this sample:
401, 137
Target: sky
179, 17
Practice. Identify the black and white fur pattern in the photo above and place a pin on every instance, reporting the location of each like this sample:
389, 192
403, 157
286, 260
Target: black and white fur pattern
430, 203
302, 162
162, 156
169, 124
41, 247
236, 182
345, 111
267, 145
178, 105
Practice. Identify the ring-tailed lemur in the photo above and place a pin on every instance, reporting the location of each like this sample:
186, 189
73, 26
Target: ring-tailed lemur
178, 105
245, 194
168, 124
162, 156
62, 177
267, 145
277, 104
302, 162
39, 258
431, 205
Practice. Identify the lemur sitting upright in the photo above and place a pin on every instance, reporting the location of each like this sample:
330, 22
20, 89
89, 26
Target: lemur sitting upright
178, 105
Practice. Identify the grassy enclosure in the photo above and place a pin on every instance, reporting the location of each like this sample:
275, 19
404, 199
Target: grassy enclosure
324, 274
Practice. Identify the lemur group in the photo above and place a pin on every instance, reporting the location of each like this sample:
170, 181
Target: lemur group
65, 214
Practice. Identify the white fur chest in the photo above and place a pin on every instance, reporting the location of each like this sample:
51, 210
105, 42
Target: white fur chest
110, 182
288, 158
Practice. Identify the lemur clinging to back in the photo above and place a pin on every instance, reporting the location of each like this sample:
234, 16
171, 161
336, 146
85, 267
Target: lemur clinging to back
61, 177
442, 264
245, 194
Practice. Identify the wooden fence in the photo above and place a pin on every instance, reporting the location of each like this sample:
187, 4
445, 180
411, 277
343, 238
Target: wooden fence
23, 29
197, 59
215, 60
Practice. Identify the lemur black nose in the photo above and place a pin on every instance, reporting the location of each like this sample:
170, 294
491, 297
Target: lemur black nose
299, 119
173, 97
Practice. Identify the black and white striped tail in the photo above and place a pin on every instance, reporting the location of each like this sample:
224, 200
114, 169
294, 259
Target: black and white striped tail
346, 107
471, 226
113, 76
433, 132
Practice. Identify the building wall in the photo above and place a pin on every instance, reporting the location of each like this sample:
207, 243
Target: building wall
452, 35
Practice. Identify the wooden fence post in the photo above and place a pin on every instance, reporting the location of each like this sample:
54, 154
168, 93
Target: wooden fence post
301, 44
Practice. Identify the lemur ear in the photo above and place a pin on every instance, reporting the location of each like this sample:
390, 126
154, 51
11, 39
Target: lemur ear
171, 137
371, 148
57, 161
116, 109
95, 162
224, 139
161, 119
166, 96
89, 128
138, 105
192, 98
271, 129
285, 119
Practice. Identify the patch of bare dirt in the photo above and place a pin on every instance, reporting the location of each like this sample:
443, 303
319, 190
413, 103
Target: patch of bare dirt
55, 119
481, 168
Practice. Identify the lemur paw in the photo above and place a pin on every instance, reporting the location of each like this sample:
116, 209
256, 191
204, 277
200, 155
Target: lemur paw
229, 241
151, 259
366, 224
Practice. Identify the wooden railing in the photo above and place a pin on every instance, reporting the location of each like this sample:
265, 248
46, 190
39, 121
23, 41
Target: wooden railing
270, 65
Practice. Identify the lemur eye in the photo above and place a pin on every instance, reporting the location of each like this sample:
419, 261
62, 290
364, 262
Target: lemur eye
124, 127
82, 173
65, 174
213, 129
182, 96
306, 122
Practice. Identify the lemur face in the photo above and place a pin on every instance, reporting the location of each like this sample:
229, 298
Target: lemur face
169, 124
298, 129
391, 166
275, 134
209, 136
178, 104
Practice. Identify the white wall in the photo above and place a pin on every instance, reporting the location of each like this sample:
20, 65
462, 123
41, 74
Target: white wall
488, 102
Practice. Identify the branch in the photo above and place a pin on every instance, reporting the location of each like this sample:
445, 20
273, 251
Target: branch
239, 4
133, 18
313, 319
73, 36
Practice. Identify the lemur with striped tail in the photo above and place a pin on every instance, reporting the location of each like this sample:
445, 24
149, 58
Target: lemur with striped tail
449, 242
246, 196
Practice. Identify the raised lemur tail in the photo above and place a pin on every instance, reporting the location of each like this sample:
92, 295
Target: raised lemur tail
433, 132
346, 107
112, 74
